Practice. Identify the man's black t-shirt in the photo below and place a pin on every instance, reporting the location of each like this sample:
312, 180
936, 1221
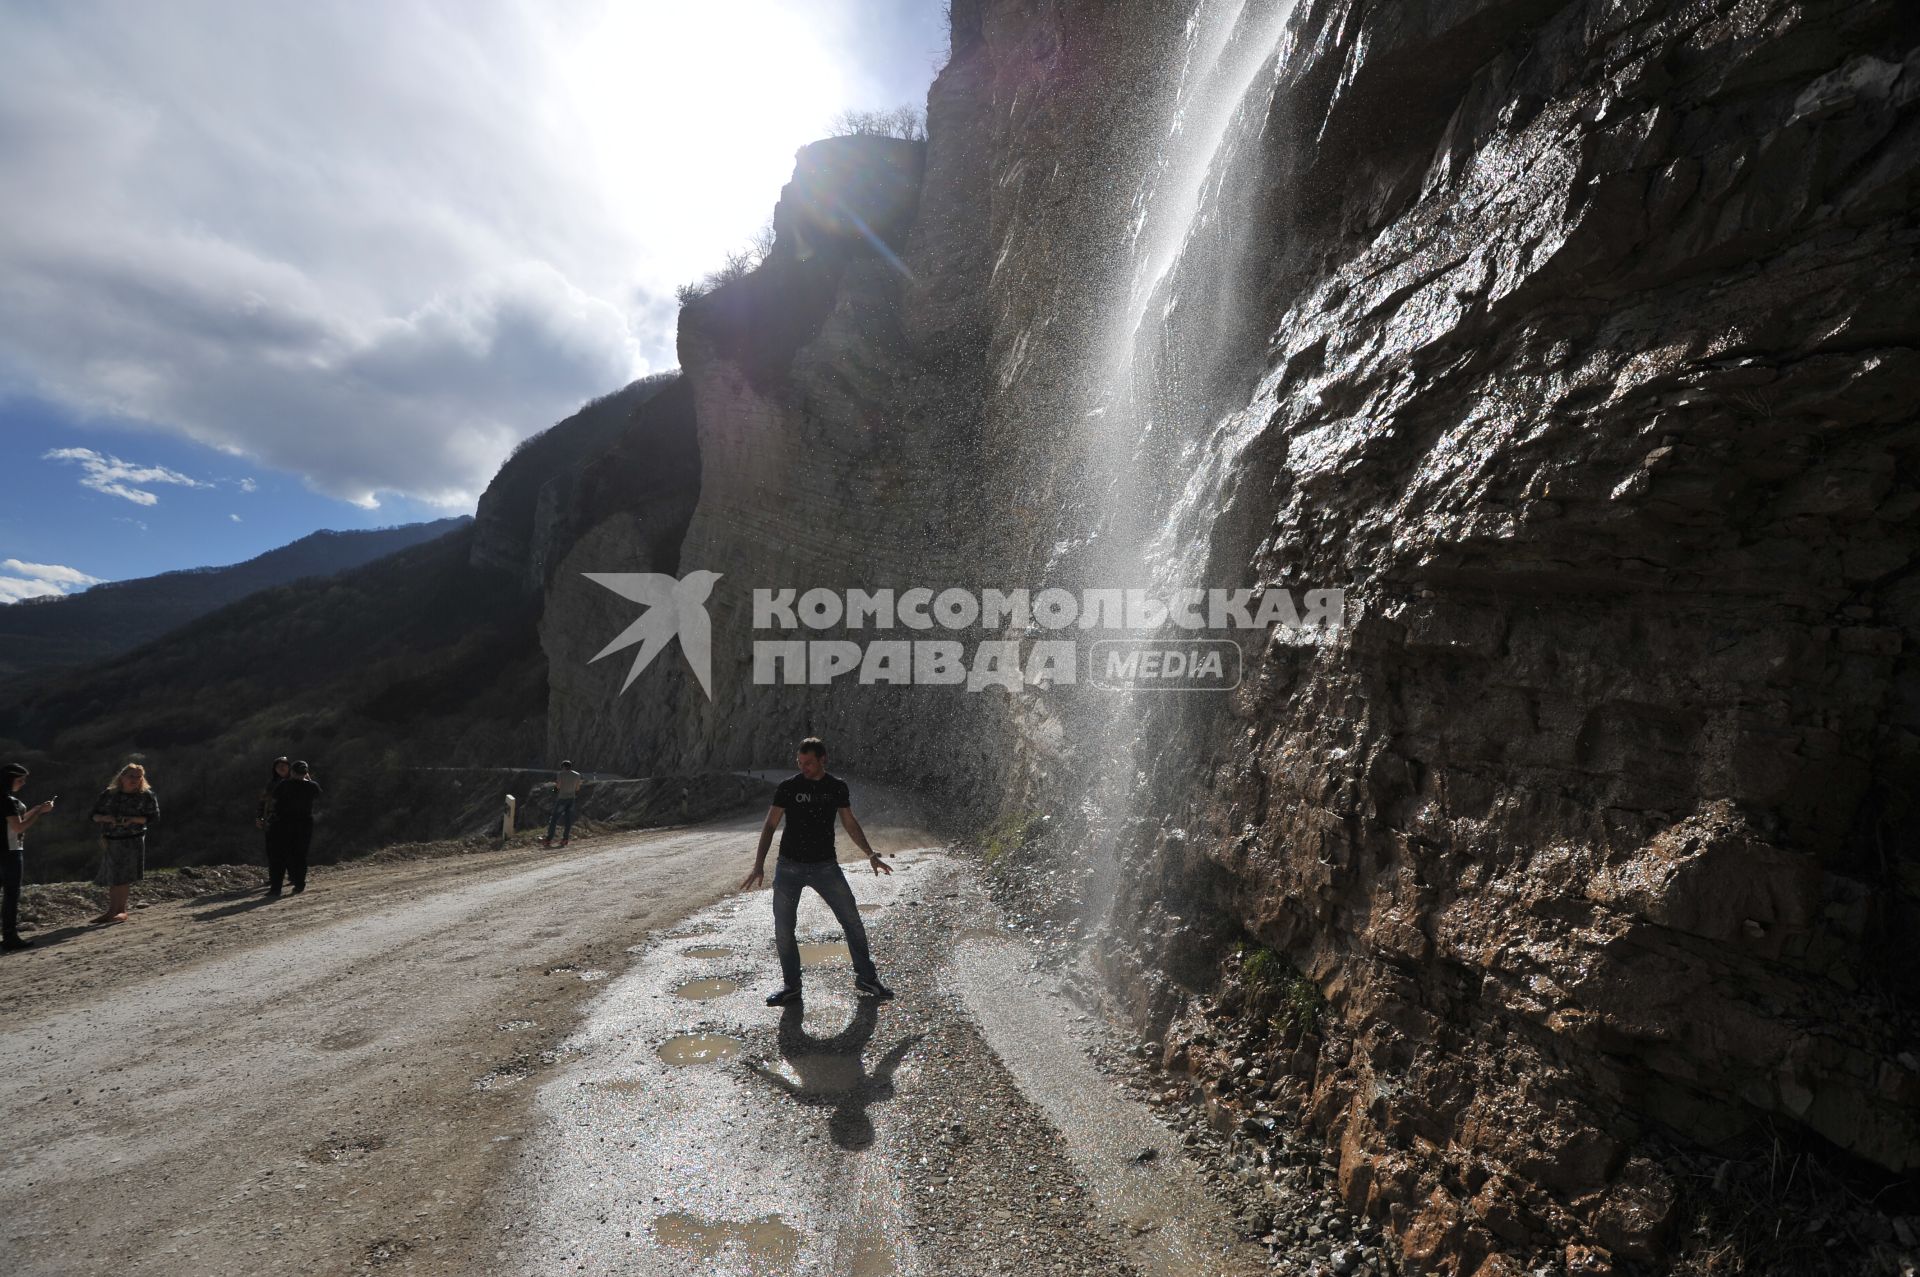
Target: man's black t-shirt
293, 800
813, 808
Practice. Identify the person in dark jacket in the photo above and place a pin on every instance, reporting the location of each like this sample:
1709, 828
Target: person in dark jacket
282, 768
124, 811
13, 869
291, 828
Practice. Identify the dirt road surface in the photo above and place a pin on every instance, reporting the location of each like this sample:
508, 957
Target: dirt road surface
455, 1067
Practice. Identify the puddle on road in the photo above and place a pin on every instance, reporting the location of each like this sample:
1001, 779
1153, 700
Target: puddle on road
701, 990
708, 951
769, 1244
870, 908
821, 952
699, 1048
873, 1257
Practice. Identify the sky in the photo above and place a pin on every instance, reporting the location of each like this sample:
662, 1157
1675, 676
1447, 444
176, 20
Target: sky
272, 268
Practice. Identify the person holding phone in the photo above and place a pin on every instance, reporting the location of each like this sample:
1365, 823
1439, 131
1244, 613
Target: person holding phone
13, 869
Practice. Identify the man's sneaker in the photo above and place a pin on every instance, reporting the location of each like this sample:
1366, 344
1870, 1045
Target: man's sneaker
271, 893
783, 998
872, 989
15, 942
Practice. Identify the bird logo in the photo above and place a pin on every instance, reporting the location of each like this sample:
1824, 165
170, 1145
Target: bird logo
674, 607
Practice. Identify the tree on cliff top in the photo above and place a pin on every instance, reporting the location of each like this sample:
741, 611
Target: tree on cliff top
738, 264
906, 121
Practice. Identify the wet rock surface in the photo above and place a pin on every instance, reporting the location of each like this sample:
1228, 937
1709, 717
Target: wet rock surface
1574, 341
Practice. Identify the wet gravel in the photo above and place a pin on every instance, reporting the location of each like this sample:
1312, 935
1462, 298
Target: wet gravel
893, 1138
1278, 1183
990, 1186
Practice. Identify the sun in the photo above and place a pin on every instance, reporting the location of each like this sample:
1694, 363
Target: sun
692, 112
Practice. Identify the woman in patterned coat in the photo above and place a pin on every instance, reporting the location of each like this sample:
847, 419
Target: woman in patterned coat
124, 812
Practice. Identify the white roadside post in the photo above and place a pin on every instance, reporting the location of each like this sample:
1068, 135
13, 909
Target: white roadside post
506, 820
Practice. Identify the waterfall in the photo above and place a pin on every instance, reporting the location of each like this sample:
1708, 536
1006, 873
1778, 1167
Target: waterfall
1162, 437
1157, 370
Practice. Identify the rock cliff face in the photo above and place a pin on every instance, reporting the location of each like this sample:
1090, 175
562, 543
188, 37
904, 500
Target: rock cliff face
1576, 341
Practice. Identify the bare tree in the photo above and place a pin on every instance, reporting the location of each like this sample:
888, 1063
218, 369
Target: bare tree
907, 122
738, 264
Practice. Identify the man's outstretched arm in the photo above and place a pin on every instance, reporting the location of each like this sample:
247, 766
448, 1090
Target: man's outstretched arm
760, 856
851, 824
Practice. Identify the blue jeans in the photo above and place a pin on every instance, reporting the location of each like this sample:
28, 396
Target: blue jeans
561, 807
789, 877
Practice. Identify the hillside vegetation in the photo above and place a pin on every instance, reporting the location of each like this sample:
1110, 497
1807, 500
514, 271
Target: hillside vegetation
78, 629
382, 677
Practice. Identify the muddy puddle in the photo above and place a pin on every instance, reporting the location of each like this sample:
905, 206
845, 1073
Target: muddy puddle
699, 1048
820, 952
768, 1244
708, 951
702, 990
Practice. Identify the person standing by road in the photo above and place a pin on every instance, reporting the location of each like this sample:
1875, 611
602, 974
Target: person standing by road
13, 870
566, 788
291, 829
125, 811
282, 767
809, 802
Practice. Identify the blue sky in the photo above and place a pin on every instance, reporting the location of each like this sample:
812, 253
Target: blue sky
348, 254
235, 510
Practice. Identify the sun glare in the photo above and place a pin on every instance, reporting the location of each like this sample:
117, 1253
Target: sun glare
692, 112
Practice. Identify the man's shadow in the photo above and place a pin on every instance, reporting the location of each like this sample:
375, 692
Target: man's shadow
59, 935
250, 901
831, 1072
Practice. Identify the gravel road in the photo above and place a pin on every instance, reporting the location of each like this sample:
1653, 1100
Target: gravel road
455, 1067
321, 1083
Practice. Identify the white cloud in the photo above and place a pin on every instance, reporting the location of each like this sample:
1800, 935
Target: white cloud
20, 580
248, 485
117, 478
234, 517
376, 245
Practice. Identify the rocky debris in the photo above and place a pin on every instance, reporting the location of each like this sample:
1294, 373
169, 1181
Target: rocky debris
53, 904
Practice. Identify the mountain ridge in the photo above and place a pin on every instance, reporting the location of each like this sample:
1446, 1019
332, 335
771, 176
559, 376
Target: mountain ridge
113, 617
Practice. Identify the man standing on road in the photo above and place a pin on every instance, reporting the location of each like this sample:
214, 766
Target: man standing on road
13, 870
809, 802
292, 827
566, 788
